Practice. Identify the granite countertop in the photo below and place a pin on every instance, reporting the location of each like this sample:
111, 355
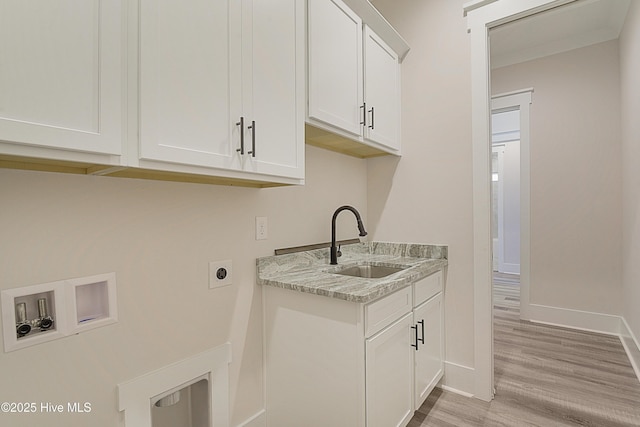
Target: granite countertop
311, 272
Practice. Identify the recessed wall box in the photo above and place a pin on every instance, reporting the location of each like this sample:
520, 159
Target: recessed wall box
40, 313
22, 324
92, 302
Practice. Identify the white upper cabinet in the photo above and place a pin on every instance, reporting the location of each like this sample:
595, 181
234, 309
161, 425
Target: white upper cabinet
61, 82
189, 89
382, 91
273, 87
222, 86
353, 78
212, 90
335, 65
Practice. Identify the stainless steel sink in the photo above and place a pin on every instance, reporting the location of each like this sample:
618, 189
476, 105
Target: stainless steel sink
369, 271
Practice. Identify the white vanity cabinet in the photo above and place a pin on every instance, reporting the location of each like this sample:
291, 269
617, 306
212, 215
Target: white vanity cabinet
402, 369
61, 79
340, 363
222, 87
353, 75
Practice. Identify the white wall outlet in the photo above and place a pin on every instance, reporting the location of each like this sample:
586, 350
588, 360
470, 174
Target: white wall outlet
220, 273
261, 228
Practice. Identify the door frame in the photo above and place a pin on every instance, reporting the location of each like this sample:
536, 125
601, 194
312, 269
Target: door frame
498, 226
482, 15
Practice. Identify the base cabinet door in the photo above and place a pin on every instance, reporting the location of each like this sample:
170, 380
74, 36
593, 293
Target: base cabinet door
429, 353
389, 375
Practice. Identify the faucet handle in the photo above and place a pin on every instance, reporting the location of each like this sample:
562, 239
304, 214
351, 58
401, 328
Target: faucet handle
339, 253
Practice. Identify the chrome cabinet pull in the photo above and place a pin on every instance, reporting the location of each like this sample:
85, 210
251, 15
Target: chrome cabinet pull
421, 324
415, 329
253, 138
241, 124
364, 114
372, 115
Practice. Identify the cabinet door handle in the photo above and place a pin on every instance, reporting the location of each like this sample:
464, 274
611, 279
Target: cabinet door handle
422, 327
364, 114
241, 124
415, 329
372, 117
253, 138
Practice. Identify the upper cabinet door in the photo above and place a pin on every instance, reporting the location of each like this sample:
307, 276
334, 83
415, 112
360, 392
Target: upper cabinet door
381, 91
273, 86
335, 65
61, 74
190, 81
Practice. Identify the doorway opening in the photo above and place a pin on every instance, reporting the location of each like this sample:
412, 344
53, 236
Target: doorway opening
483, 17
505, 211
510, 191
505, 191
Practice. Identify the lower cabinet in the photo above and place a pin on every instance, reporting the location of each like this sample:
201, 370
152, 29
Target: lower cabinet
389, 373
429, 355
331, 362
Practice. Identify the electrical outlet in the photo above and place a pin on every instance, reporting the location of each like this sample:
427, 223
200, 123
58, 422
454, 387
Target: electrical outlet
261, 228
220, 273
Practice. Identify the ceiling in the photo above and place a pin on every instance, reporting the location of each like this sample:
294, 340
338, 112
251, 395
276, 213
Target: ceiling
577, 24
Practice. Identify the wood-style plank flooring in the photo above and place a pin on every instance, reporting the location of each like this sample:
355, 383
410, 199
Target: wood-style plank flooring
545, 376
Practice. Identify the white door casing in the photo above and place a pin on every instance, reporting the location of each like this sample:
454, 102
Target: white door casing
482, 15
505, 138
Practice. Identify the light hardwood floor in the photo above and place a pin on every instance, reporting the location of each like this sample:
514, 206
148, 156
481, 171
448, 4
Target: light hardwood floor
545, 376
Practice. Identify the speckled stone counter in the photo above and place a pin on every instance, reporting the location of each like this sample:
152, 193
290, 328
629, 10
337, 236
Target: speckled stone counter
311, 272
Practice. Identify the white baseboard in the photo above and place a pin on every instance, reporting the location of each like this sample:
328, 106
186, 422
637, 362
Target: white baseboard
576, 319
631, 345
459, 379
592, 322
257, 420
454, 390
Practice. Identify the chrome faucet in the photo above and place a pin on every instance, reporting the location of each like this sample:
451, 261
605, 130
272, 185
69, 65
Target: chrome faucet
334, 249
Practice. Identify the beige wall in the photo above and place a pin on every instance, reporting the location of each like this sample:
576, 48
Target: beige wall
576, 182
158, 237
427, 195
630, 90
